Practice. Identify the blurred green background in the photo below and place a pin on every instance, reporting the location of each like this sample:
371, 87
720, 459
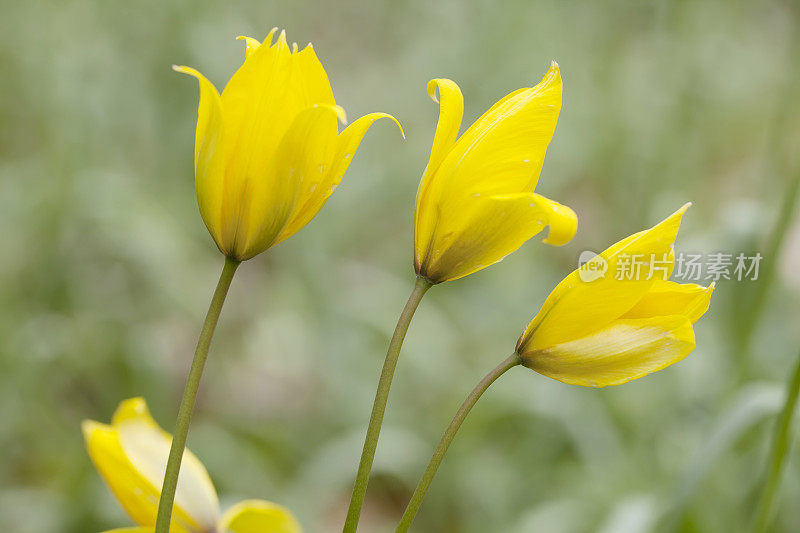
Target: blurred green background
107, 269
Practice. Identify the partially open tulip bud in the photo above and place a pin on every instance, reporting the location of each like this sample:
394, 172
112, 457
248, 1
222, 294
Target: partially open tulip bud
268, 152
619, 319
131, 455
476, 201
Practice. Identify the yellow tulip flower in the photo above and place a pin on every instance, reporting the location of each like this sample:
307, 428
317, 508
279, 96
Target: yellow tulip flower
615, 319
476, 202
131, 455
268, 152
622, 324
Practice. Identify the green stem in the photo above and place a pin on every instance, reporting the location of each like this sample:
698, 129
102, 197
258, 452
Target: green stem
189, 395
379, 405
781, 441
447, 438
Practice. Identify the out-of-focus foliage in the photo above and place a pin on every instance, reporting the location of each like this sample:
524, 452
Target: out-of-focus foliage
107, 269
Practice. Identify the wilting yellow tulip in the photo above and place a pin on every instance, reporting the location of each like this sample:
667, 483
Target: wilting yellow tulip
476, 202
617, 318
268, 152
131, 455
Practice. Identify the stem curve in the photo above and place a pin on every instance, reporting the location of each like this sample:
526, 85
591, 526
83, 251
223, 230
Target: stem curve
449, 434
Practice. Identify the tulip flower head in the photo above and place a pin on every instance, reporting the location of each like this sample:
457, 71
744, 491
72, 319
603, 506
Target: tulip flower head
623, 324
476, 202
268, 152
131, 455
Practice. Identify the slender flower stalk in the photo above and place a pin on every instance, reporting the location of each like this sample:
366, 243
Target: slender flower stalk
450, 433
379, 405
189, 396
781, 442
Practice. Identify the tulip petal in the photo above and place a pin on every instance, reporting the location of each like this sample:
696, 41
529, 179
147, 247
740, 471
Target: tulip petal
670, 298
209, 153
624, 350
258, 516
451, 111
310, 79
264, 96
258, 111
576, 308
147, 446
503, 151
315, 193
491, 229
136, 493
301, 164
562, 220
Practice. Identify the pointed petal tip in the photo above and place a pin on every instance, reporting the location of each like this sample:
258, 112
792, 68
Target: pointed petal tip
372, 117
183, 69
129, 409
678, 214
136, 403
681, 211
88, 427
553, 74
400, 126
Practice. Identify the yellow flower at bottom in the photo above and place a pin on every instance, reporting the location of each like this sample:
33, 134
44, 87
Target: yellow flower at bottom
268, 152
620, 319
131, 455
476, 202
